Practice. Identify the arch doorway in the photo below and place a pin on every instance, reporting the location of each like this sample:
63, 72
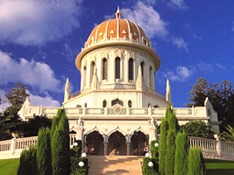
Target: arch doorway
139, 143
94, 143
117, 144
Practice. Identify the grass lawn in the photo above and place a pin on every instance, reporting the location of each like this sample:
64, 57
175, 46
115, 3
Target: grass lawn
219, 167
9, 166
213, 167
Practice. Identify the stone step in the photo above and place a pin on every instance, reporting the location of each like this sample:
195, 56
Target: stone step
111, 165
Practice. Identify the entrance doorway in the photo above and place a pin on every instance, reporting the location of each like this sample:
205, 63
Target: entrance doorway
117, 144
139, 143
94, 143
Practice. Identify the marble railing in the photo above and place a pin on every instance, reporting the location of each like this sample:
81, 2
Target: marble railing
214, 149
195, 113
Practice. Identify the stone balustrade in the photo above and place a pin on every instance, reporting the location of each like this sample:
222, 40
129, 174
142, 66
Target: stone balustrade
214, 149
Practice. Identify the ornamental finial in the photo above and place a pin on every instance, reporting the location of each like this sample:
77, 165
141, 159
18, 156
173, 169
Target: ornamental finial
118, 13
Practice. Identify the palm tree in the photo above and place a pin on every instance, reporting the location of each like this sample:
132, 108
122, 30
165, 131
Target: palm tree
228, 136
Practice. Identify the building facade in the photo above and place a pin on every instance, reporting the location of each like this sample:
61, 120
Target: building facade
117, 108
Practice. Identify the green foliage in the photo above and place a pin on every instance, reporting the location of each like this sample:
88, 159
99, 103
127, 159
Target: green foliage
146, 169
76, 150
198, 128
60, 147
31, 127
221, 97
28, 162
16, 97
154, 149
44, 152
181, 154
228, 136
196, 164
5, 126
163, 146
170, 155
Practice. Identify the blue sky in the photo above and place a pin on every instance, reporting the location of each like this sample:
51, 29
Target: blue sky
39, 41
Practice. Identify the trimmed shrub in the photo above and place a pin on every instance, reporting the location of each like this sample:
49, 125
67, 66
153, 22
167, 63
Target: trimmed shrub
196, 164
28, 162
199, 129
170, 155
44, 152
55, 121
163, 146
154, 149
181, 154
146, 170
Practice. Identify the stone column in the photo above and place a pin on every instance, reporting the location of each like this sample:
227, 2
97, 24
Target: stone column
218, 145
128, 148
105, 142
128, 143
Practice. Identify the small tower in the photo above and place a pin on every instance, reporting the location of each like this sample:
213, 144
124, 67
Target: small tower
66, 91
168, 91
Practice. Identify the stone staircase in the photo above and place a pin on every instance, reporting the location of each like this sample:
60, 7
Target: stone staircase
115, 165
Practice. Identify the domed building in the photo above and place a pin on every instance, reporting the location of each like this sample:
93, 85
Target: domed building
117, 108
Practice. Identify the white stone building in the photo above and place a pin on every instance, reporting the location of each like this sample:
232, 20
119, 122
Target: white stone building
117, 107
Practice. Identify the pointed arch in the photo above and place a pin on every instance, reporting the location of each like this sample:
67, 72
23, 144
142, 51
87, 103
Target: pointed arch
139, 130
117, 129
94, 129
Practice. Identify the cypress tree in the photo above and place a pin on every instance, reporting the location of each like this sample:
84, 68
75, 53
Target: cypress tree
44, 152
181, 154
163, 146
170, 155
28, 162
60, 147
195, 162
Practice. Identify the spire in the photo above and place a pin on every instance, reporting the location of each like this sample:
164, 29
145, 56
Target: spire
118, 13
168, 91
27, 102
66, 91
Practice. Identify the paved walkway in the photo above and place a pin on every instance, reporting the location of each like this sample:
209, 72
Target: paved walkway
115, 165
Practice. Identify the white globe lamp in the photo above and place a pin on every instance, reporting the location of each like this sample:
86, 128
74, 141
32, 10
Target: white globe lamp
147, 154
81, 164
156, 144
150, 164
83, 155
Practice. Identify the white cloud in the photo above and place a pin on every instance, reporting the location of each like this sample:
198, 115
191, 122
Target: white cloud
46, 101
182, 73
180, 43
36, 74
4, 102
178, 4
208, 67
33, 22
148, 18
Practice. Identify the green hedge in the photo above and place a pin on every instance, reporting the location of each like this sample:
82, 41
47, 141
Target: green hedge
146, 170
28, 162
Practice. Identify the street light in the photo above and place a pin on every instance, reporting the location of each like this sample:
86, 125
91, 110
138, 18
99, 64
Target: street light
83, 155
75, 144
147, 154
156, 144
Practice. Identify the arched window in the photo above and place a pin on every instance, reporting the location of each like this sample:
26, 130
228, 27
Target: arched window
116, 101
156, 106
104, 103
129, 103
92, 69
130, 69
104, 69
85, 105
150, 76
149, 105
84, 76
117, 68
142, 68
